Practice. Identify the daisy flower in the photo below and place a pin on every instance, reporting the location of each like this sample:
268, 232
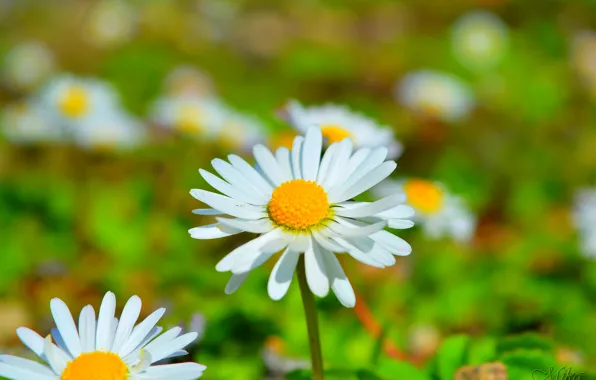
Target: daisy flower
479, 39
439, 212
300, 203
110, 131
240, 132
435, 94
584, 218
70, 99
338, 122
188, 80
111, 23
27, 65
104, 348
28, 123
192, 115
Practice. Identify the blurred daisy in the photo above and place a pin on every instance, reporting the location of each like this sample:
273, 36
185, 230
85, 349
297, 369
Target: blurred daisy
479, 39
71, 99
110, 131
439, 213
188, 80
240, 132
584, 218
190, 115
301, 203
102, 348
27, 122
27, 66
111, 22
583, 57
436, 95
338, 122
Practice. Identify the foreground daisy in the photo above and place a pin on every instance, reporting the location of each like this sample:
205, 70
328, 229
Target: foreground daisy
584, 218
439, 213
338, 122
301, 203
104, 348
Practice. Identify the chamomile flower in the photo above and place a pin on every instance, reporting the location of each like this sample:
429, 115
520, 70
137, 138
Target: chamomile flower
439, 212
584, 218
111, 131
28, 123
435, 95
27, 66
479, 39
111, 23
301, 203
188, 80
106, 348
191, 115
338, 122
71, 99
240, 132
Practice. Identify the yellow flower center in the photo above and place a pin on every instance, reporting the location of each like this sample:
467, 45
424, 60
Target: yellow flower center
189, 119
97, 365
298, 204
74, 102
334, 133
424, 196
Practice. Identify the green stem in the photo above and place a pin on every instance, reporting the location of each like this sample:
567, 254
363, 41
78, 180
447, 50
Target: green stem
312, 324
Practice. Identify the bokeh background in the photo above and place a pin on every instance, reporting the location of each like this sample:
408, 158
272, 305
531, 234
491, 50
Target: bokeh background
503, 116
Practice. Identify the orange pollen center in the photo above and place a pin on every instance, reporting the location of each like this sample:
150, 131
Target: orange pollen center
74, 102
97, 365
334, 133
424, 196
189, 119
298, 204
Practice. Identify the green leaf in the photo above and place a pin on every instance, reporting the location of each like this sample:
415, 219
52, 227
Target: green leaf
392, 369
482, 350
452, 355
528, 341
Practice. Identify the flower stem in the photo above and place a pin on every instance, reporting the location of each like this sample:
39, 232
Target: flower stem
312, 324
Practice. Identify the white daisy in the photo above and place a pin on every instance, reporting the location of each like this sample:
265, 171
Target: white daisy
301, 203
439, 212
435, 94
110, 131
27, 65
584, 218
188, 80
111, 23
71, 99
104, 348
479, 39
338, 122
190, 114
240, 132
28, 123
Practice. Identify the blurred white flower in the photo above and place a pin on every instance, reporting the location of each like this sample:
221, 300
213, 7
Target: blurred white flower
240, 132
111, 22
338, 122
71, 99
584, 218
27, 66
110, 131
191, 115
29, 123
583, 56
479, 39
439, 212
300, 203
188, 80
435, 95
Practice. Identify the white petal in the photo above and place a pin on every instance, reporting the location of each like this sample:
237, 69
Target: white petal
13, 372
235, 281
129, 317
400, 223
374, 159
373, 249
282, 274
251, 174
66, 325
57, 359
141, 331
261, 253
358, 254
161, 351
324, 166
207, 211
104, 337
369, 180
341, 228
268, 164
32, 340
311, 153
300, 243
178, 371
394, 244
212, 231
338, 164
339, 281
235, 178
248, 252
283, 159
397, 212
30, 365
353, 163
229, 190
296, 154
228, 205
327, 243
316, 275
87, 328
164, 338
368, 209
254, 226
